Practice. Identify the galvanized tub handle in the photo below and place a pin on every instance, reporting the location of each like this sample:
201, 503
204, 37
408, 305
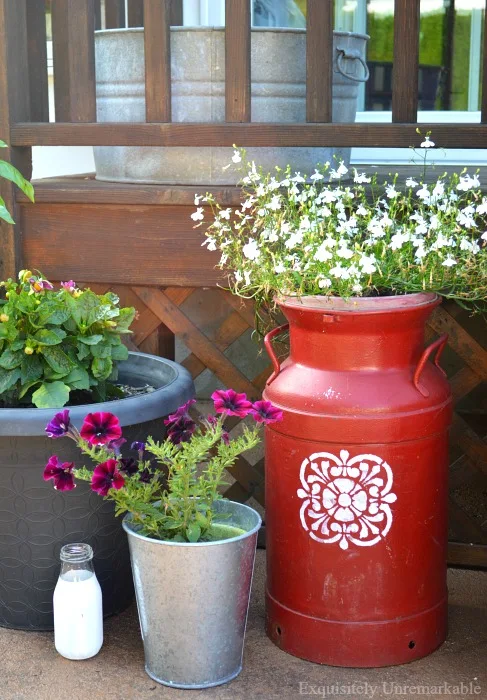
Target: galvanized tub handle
439, 346
352, 55
270, 350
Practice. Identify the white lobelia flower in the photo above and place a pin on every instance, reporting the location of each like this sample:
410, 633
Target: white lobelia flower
247, 276
324, 283
197, 199
361, 210
410, 182
198, 215
296, 238
484, 236
298, 178
468, 183
339, 172
391, 192
316, 176
424, 194
322, 254
251, 250
360, 178
340, 272
466, 220
238, 276
225, 214
344, 252
279, 268
275, 203
398, 240
471, 246
357, 288
273, 237
482, 207
236, 158
248, 204
427, 143
367, 263
449, 262
210, 242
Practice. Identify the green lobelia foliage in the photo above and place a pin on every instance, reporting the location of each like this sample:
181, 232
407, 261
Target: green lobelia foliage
56, 342
9, 172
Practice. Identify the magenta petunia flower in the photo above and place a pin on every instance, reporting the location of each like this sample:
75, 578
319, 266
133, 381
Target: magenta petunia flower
265, 412
180, 430
231, 403
181, 411
105, 477
59, 425
101, 428
61, 474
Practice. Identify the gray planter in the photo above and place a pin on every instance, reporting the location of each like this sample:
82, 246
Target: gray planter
36, 520
198, 95
193, 601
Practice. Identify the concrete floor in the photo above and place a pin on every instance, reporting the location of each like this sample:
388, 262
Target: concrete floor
30, 668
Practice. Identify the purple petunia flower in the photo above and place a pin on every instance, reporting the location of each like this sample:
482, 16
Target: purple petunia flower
116, 445
129, 466
138, 446
101, 428
146, 475
265, 412
61, 474
180, 430
59, 425
105, 477
231, 403
180, 412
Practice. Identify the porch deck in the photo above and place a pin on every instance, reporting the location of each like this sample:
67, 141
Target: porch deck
32, 670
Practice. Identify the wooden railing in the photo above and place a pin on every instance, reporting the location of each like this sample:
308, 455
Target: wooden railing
74, 22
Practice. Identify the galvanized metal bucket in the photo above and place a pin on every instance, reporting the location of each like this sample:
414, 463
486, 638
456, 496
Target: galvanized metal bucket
193, 601
278, 71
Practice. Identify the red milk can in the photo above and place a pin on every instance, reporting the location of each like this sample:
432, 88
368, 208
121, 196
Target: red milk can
356, 483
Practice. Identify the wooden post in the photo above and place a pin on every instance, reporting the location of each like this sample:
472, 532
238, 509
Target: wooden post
405, 74
73, 29
14, 107
319, 61
157, 42
237, 61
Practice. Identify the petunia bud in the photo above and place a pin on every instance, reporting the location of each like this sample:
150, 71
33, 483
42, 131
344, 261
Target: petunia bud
4, 318
24, 275
7, 294
111, 324
28, 350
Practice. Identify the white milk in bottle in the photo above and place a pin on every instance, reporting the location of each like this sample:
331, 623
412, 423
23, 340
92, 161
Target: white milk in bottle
78, 614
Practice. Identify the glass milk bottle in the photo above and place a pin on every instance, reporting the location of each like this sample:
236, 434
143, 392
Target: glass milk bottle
78, 615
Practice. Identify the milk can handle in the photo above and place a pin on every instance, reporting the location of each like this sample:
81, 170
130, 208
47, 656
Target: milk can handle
437, 345
270, 350
352, 55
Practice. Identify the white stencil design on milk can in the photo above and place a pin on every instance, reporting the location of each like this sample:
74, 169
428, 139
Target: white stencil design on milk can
346, 499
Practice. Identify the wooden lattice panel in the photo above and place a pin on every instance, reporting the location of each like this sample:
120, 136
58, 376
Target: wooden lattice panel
163, 312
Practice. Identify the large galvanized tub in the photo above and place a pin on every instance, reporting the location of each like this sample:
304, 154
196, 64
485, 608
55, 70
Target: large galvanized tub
198, 95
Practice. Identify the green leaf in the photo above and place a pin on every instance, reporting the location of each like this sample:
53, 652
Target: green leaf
125, 318
57, 360
90, 339
51, 395
50, 337
52, 313
78, 378
17, 345
82, 306
83, 352
3, 331
4, 212
9, 172
10, 360
26, 387
8, 378
101, 350
31, 368
3, 144
119, 353
101, 367
193, 532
